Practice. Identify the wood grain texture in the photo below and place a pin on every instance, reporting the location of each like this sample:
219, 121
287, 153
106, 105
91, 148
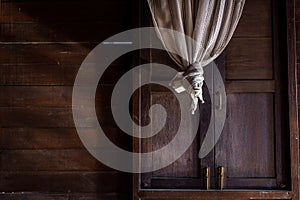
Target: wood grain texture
186, 165
49, 117
44, 53
255, 12
33, 196
42, 45
60, 32
54, 138
179, 173
54, 74
38, 138
297, 14
249, 86
250, 139
298, 50
49, 96
249, 58
63, 196
91, 11
49, 160
96, 182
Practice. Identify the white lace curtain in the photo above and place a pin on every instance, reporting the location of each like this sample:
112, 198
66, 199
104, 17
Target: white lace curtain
211, 23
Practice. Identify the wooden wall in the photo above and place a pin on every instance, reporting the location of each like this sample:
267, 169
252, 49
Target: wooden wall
42, 44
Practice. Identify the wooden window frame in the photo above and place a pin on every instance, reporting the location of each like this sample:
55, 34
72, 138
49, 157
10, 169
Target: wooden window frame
293, 191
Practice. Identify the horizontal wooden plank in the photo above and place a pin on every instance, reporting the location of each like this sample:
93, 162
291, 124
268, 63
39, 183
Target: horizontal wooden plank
50, 54
56, 96
33, 196
111, 75
32, 75
89, 11
61, 32
55, 138
49, 160
39, 138
35, 95
44, 53
50, 117
100, 182
63, 196
249, 86
247, 58
255, 12
36, 117
54, 74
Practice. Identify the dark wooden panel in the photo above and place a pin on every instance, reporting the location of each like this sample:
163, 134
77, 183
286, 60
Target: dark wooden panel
54, 138
298, 73
49, 160
176, 183
53, 74
48, 117
298, 94
158, 56
298, 50
255, 12
31, 75
250, 143
249, 86
42, 46
187, 166
297, 12
298, 33
36, 117
104, 182
252, 183
60, 32
44, 53
56, 96
33, 196
65, 11
62, 196
249, 58
111, 75
38, 138
35, 95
